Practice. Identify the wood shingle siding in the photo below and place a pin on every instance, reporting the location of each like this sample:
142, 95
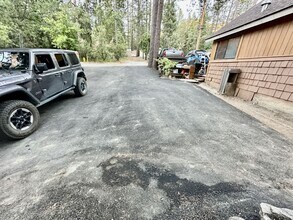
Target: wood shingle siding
258, 76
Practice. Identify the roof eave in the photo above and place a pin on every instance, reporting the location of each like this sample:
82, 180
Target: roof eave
261, 21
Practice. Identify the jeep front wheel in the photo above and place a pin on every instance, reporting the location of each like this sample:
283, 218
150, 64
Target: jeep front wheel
81, 87
18, 119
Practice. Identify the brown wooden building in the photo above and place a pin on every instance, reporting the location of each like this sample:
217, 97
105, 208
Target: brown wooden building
260, 44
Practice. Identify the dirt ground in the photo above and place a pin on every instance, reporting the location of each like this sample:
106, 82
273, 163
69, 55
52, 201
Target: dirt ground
277, 115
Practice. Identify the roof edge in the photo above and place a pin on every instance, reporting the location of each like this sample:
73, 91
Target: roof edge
261, 21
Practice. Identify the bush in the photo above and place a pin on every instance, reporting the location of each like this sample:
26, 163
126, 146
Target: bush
118, 51
166, 65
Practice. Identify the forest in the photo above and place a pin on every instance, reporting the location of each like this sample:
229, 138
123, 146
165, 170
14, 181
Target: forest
103, 30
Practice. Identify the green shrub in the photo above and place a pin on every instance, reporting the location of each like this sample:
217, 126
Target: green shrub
166, 65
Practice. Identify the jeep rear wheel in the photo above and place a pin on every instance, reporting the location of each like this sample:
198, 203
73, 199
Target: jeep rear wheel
18, 119
81, 87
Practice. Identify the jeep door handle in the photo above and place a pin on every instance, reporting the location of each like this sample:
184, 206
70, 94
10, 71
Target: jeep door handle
39, 79
57, 74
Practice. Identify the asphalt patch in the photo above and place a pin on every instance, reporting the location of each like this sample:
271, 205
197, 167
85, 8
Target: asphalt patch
122, 171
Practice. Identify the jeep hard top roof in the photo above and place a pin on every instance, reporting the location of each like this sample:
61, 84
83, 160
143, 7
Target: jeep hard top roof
36, 50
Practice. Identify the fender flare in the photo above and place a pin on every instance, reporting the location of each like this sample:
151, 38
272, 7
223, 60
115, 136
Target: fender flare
78, 74
15, 89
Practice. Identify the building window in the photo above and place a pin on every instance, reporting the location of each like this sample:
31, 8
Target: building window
227, 49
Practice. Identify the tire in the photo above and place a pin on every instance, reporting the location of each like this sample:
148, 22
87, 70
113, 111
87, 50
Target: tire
81, 87
18, 119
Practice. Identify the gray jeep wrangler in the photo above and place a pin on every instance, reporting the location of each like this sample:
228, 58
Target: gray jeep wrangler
30, 78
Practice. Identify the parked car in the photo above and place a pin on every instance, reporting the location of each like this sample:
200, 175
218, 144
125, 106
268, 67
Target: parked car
198, 56
30, 78
172, 54
193, 58
204, 56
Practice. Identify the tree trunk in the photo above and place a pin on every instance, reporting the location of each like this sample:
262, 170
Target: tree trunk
202, 20
158, 32
229, 13
146, 16
115, 24
212, 22
128, 25
235, 9
138, 28
153, 33
132, 27
149, 8
217, 22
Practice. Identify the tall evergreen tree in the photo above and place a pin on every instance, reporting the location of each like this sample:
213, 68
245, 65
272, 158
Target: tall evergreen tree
158, 31
169, 22
153, 33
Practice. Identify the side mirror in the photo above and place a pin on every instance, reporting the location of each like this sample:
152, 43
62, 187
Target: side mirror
41, 67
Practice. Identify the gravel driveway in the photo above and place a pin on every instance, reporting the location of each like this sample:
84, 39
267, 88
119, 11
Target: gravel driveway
141, 147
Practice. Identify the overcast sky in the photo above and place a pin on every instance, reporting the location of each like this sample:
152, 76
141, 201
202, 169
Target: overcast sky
188, 6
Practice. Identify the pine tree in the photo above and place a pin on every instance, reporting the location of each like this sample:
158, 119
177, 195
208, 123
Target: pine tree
169, 22
153, 32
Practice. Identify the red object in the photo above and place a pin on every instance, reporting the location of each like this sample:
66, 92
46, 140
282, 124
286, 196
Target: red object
182, 54
164, 54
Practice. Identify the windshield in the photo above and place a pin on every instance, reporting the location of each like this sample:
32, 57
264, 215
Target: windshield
13, 61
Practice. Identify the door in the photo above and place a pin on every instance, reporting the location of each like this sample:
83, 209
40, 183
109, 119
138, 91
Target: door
50, 81
66, 71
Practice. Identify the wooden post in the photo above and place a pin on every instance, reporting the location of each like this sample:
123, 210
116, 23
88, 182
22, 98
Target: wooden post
191, 72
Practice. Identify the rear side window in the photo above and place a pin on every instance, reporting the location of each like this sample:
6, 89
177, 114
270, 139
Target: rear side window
73, 58
61, 59
45, 58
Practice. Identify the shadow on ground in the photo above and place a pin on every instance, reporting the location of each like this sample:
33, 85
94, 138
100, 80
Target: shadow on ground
43, 110
122, 171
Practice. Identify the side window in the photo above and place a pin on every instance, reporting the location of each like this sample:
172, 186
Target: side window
73, 58
221, 49
227, 49
61, 59
45, 58
232, 48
